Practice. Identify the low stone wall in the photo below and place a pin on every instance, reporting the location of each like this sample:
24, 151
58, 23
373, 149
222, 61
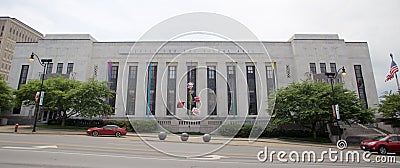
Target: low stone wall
388, 128
12, 120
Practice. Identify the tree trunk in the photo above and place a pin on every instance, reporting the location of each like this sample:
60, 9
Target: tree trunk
314, 130
63, 118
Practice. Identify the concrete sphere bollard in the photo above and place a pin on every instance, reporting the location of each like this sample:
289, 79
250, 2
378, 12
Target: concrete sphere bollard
162, 135
206, 137
184, 136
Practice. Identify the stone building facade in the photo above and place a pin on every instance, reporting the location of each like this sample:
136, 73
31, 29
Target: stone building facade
232, 79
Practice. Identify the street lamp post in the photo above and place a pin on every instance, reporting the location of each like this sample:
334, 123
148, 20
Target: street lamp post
332, 76
43, 63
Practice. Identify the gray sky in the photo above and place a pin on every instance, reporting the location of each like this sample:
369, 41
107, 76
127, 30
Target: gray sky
374, 21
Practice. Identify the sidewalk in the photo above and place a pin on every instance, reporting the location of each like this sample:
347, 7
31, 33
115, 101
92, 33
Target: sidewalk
27, 129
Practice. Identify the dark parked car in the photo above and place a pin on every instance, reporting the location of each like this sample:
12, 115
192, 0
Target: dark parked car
107, 130
382, 144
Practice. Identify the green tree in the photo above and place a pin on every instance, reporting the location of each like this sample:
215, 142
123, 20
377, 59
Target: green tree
390, 106
310, 103
67, 97
6, 96
89, 99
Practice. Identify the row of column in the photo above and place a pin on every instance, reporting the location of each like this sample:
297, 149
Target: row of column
201, 85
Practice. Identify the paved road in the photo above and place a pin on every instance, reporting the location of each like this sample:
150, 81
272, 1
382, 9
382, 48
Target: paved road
34, 150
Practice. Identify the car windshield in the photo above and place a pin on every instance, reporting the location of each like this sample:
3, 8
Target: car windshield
110, 126
379, 138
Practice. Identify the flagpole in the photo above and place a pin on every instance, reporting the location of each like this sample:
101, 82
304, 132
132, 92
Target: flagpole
395, 74
397, 81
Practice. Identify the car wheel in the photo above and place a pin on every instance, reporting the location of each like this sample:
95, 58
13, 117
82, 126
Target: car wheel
118, 134
95, 133
382, 150
398, 153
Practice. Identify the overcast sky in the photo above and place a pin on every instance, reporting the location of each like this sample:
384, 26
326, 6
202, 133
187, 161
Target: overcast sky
374, 21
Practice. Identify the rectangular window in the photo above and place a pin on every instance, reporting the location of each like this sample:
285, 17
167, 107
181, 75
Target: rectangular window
49, 68
171, 90
313, 68
270, 79
333, 67
231, 82
250, 69
95, 69
151, 86
113, 84
322, 67
288, 71
59, 68
251, 83
191, 78
131, 95
171, 72
70, 68
23, 75
211, 91
360, 85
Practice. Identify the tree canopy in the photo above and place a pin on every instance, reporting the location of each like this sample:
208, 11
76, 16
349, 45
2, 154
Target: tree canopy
68, 97
308, 103
5, 96
390, 106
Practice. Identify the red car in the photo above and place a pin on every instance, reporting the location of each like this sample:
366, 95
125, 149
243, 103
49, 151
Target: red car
107, 130
382, 144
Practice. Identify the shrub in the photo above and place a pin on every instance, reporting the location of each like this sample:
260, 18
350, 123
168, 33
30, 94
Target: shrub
228, 130
142, 126
246, 130
120, 123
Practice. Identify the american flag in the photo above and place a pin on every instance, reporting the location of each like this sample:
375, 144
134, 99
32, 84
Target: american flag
393, 70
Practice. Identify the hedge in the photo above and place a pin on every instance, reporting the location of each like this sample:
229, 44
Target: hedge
244, 132
228, 130
141, 126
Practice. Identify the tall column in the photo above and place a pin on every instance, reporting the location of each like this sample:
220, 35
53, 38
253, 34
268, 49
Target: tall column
242, 90
181, 82
222, 92
261, 82
141, 93
201, 88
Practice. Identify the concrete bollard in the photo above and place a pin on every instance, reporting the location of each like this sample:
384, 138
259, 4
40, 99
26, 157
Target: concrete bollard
184, 136
162, 135
206, 137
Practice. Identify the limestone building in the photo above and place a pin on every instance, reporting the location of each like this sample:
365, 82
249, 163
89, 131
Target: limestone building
231, 79
11, 31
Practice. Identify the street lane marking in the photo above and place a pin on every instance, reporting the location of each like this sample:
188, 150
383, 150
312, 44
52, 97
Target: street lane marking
134, 149
209, 157
29, 147
45, 147
134, 157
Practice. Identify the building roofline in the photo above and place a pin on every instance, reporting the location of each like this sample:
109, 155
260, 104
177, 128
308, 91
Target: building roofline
26, 42
22, 23
356, 42
210, 41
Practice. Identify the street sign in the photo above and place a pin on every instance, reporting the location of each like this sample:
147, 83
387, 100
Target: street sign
335, 111
41, 98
